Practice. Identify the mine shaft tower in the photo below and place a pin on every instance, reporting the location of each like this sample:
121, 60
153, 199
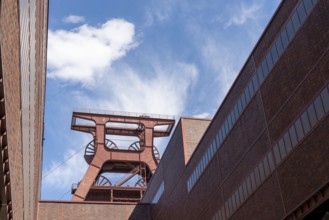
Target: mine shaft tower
140, 159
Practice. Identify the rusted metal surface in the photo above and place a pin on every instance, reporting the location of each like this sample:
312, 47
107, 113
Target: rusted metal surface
103, 155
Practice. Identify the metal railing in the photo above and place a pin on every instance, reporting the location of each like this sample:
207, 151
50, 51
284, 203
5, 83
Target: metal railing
122, 113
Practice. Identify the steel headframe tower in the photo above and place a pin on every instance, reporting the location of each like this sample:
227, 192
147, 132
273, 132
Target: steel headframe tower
103, 156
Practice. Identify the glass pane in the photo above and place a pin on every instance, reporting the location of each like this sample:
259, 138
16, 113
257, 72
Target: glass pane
274, 53
233, 117
269, 62
255, 82
301, 12
279, 46
290, 30
247, 94
236, 111
251, 89
237, 199
266, 167
299, 130
311, 114
261, 172
287, 142
245, 192
325, 99
249, 185
284, 38
293, 136
222, 133
243, 101
260, 74
295, 20
253, 181
305, 122
229, 122
257, 177
233, 202
241, 194
265, 68
308, 5
217, 140
319, 108
282, 148
277, 154
239, 106
271, 161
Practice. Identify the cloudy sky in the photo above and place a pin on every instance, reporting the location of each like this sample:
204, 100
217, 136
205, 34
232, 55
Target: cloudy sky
148, 56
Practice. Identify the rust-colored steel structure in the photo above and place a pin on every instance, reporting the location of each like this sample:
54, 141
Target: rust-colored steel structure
103, 156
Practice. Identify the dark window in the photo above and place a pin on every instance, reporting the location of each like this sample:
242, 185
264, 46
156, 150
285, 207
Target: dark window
260, 75
251, 89
308, 5
301, 12
305, 122
311, 114
318, 108
264, 67
293, 136
245, 192
229, 120
271, 160
261, 171
243, 100
279, 46
284, 38
287, 142
295, 20
247, 94
233, 117
274, 54
240, 106
325, 99
290, 30
236, 111
249, 185
237, 200
253, 182
266, 167
282, 148
241, 194
269, 61
222, 133
217, 141
277, 154
257, 177
255, 82
225, 128
299, 130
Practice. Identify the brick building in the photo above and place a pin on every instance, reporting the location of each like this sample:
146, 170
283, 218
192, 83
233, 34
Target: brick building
264, 155
23, 31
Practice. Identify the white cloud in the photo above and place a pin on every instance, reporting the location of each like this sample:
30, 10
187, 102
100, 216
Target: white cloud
219, 58
240, 14
202, 115
74, 19
163, 91
83, 54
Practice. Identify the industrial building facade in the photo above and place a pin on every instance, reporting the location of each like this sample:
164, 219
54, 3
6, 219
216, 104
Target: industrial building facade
264, 155
23, 43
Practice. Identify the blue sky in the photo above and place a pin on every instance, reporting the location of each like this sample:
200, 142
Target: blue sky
163, 57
